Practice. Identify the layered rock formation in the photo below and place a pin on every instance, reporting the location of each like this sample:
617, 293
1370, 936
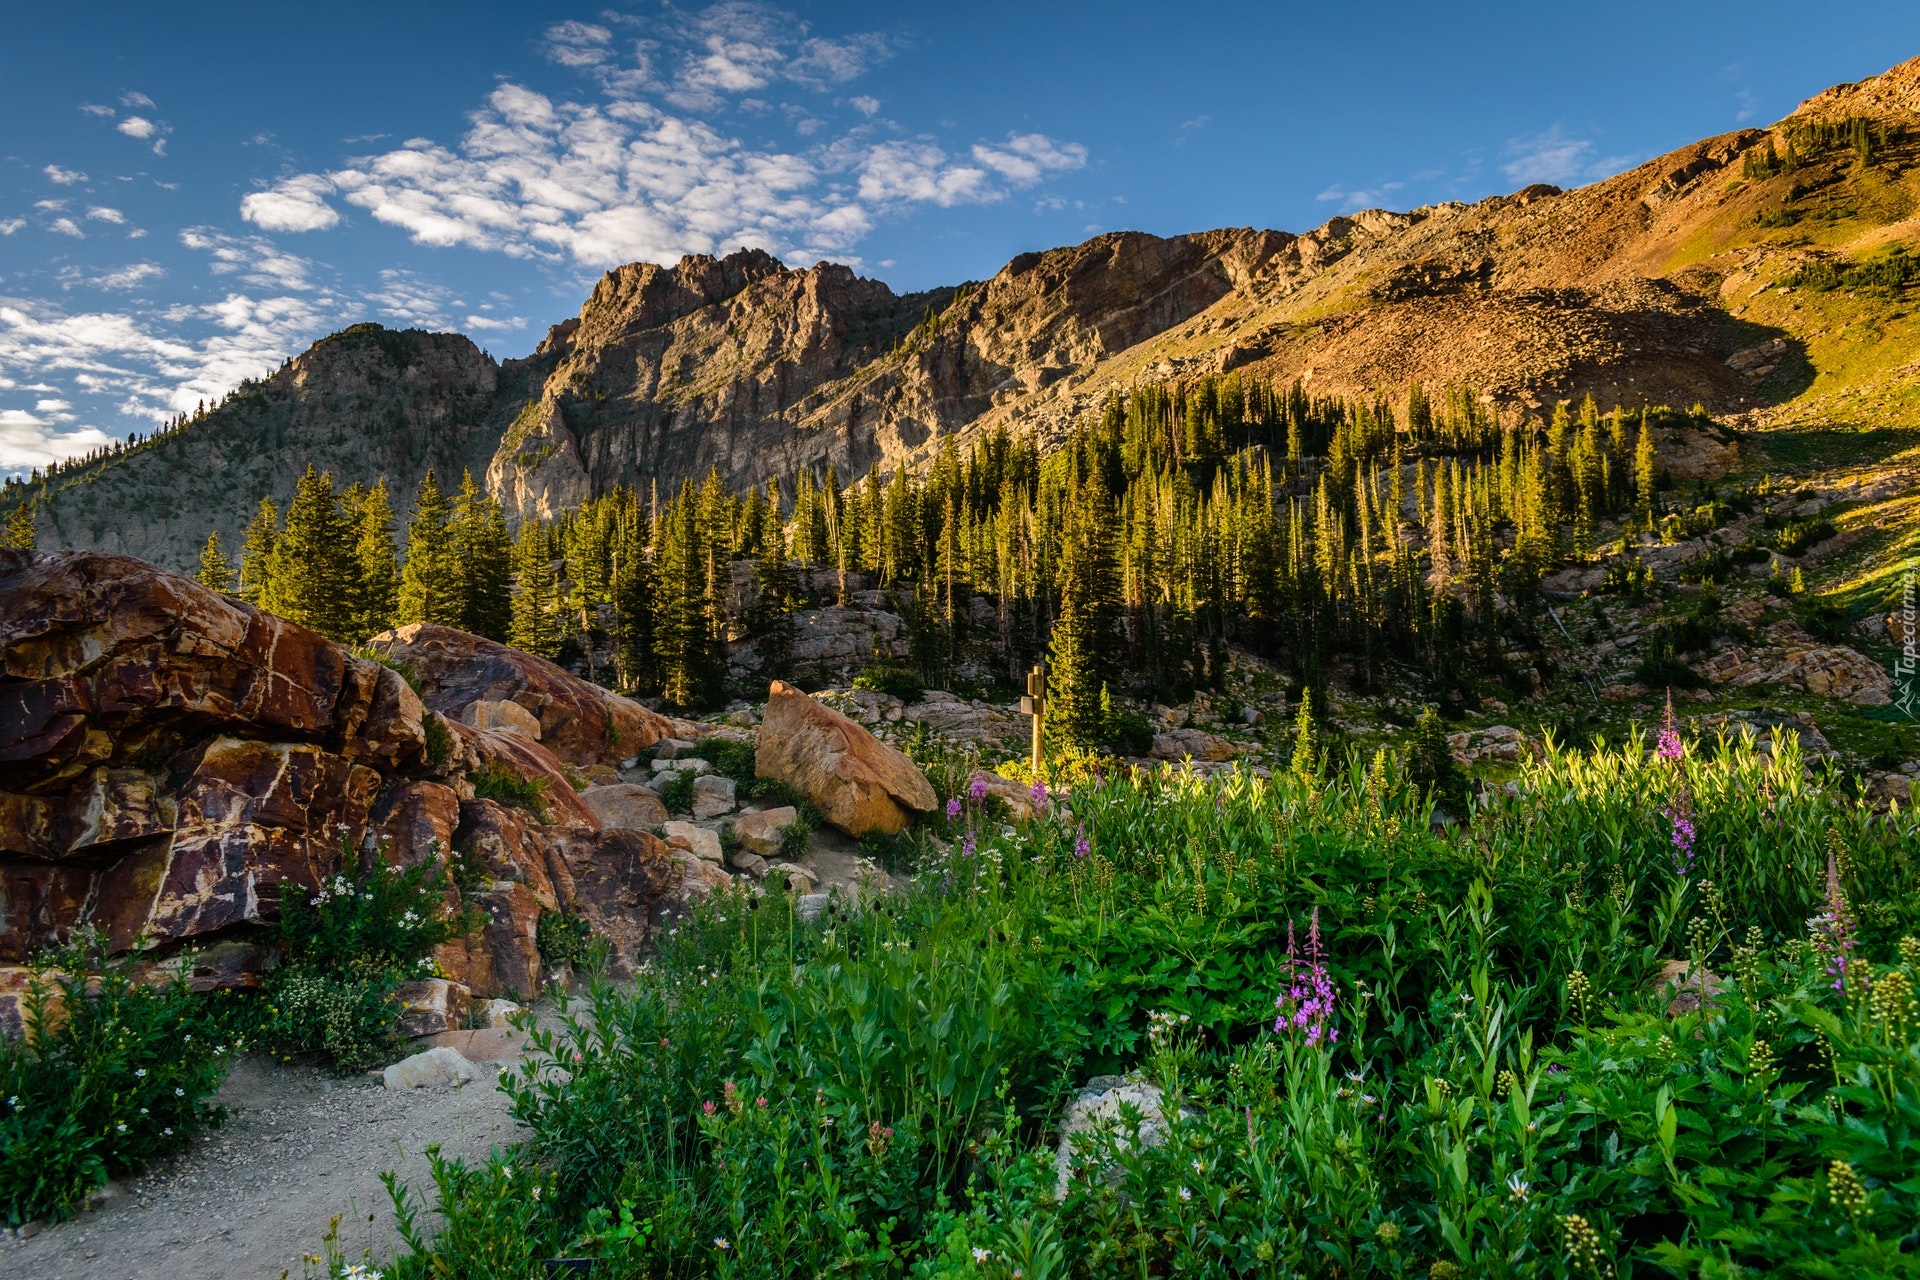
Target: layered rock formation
579, 722
172, 761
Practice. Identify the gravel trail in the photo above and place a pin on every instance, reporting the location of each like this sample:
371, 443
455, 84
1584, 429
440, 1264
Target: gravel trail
250, 1197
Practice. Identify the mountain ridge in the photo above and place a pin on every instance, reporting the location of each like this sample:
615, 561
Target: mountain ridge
1671, 282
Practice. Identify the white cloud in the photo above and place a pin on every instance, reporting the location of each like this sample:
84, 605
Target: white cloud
491, 324
129, 277
51, 406
63, 177
293, 204
412, 300
50, 206
640, 175
132, 98
101, 213
1026, 157
255, 259
1555, 158
866, 104
140, 127
67, 227
11, 225
141, 361
95, 109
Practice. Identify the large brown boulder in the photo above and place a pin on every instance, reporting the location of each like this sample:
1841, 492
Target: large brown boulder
858, 783
172, 759
579, 722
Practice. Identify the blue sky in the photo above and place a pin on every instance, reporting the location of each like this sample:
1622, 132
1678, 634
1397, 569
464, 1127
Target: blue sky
189, 193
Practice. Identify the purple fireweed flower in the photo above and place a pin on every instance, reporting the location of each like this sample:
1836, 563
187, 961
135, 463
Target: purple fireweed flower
966, 845
953, 808
1081, 845
1669, 747
1308, 1005
977, 792
1039, 796
1833, 931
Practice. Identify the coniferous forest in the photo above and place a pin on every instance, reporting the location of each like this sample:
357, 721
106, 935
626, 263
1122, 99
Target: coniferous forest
1408, 534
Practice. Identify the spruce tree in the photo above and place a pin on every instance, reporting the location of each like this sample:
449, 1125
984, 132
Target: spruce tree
633, 603
1305, 763
483, 557
312, 561
1082, 649
215, 573
376, 586
1643, 476
1431, 766
256, 555
771, 620
20, 534
430, 579
535, 626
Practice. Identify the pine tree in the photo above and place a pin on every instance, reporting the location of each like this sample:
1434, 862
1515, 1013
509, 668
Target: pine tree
376, 585
535, 626
20, 532
1643, 476
215, 573
256, 555
312, 562
771, 620
1430, 763
1082, 650
430, 579
483, 557
633, 602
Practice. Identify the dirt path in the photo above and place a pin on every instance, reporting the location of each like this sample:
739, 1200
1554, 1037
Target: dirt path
251, 1197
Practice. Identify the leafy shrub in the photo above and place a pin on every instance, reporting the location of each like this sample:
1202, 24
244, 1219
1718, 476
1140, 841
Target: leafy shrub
732, 759
882, 676
107, 1075
349, 944
1497, 1083
677, 791
563, 939
439, 740
502, 785
1794, 537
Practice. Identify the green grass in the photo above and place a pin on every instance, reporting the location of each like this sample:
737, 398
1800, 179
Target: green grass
1498, 1088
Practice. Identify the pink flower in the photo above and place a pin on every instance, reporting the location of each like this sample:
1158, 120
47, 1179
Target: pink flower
707, 1107
1039, 796
977, 792
953, 808
1308, 1004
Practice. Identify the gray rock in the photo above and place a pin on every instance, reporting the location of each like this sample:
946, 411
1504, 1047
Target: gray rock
428, 1070
812, 906
625, 804
764, 832
701, 842
712, 796
748, 861
1100, 1104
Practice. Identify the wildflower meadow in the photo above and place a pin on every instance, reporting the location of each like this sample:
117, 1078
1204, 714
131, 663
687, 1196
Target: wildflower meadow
1650, 1012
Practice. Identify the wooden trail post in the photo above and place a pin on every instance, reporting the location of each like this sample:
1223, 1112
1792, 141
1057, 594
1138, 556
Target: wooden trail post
1035, 705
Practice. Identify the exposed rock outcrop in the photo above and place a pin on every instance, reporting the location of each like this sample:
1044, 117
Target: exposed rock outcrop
172, 761
858, 783
465, 677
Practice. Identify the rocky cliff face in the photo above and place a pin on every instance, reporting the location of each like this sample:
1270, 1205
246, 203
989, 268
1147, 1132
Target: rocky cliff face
1669, 283
172, 761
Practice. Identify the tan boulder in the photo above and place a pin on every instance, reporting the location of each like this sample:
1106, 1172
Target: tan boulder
764, 832
502, 715
858, 783
625, 804
698, 841
579, 722
1191, 744
415, 818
